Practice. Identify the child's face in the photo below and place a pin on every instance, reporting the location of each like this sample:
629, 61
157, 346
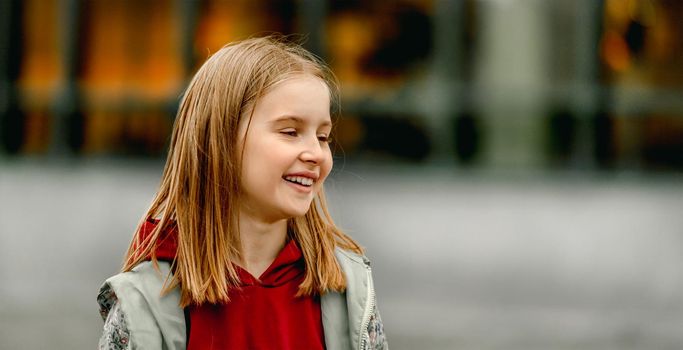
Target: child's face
286, 153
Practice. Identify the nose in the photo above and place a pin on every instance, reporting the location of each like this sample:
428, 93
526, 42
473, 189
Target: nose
313, 151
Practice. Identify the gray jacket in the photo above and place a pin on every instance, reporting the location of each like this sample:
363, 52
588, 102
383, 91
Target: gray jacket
136, 315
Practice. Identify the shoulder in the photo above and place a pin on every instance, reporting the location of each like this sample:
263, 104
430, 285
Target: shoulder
139, 288
144, 275
356, 268
152, 317
347, 256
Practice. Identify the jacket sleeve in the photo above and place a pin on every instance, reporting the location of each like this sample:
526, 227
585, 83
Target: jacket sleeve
115, 335
378, 340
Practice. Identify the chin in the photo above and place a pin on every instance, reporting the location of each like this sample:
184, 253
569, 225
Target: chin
297, 212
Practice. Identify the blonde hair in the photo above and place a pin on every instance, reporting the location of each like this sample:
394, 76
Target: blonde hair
200, 189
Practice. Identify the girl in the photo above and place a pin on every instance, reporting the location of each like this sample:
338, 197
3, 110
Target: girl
238, 250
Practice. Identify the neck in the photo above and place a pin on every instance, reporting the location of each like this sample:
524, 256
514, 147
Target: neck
261, 241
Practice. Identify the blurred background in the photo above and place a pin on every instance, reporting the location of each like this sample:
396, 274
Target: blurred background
514, 167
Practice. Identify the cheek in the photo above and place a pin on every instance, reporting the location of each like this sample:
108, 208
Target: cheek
255, 162
327, 164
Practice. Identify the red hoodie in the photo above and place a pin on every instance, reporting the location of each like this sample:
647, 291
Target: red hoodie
263, 313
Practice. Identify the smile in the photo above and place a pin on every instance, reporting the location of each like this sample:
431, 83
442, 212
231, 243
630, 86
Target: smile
299, 180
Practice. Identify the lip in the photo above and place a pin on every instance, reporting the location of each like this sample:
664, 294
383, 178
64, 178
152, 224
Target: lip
308, 174
301, 188
297, 187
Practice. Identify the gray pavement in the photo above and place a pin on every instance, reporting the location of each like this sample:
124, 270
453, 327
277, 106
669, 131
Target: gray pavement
462, 260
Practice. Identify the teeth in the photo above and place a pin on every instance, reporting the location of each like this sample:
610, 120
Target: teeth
300, 179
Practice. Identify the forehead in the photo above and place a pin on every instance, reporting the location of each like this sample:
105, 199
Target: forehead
302, 96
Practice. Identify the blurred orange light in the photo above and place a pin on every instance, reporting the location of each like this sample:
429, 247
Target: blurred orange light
614, 51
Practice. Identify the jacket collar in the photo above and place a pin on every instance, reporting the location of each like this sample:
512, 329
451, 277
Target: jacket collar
343, 313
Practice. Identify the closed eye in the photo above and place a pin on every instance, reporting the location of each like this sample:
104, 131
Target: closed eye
289, 132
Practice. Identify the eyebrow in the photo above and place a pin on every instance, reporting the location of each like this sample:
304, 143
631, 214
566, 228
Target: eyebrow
298, 120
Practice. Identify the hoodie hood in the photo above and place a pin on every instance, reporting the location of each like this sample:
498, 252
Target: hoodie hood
287, 266
167, 246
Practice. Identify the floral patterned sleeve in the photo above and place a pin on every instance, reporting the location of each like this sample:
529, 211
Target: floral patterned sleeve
377, 338
115, 335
